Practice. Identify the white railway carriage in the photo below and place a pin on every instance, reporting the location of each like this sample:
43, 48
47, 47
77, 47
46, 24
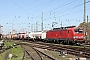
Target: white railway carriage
43, 35
35, 35
31, 35
38, 35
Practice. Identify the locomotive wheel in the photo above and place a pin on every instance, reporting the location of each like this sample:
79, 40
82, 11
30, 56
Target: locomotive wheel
58, 42
54, 41
68, 42
73, 42
64, 42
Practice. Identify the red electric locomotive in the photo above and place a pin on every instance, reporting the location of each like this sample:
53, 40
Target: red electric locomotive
71, 34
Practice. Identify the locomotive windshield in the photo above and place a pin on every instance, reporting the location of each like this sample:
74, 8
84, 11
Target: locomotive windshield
78, 30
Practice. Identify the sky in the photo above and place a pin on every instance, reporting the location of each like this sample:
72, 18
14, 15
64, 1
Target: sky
27, 15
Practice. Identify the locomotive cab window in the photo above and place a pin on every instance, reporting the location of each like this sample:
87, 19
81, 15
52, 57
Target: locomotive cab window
78, 31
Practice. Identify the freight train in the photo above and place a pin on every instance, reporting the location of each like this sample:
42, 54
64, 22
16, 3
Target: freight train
70, 34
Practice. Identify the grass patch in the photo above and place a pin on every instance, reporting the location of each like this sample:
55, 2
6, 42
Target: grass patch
7, 44
2, 55
17, 53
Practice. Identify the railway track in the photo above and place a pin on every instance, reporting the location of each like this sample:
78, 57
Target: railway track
30, 54
34, 54
81, 52
6, 55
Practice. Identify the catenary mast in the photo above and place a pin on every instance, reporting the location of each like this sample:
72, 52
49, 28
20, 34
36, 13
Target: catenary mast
85, 18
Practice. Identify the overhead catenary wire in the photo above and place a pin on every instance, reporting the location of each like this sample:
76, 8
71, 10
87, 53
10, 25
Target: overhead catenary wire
29, 8
73, 12
16, 4
25, 5
62, 5
63, 15
51, 10
35, 6
69, 10
19, 7
15, 13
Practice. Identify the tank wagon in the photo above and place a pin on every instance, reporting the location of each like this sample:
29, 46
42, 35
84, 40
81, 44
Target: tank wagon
37, 35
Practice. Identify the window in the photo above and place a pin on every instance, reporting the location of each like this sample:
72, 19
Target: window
78, 31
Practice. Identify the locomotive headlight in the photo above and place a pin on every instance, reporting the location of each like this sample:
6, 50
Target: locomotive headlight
75, 37
82, 36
